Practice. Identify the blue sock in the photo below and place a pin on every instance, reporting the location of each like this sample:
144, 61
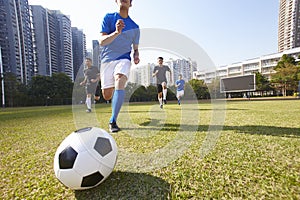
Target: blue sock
117, 102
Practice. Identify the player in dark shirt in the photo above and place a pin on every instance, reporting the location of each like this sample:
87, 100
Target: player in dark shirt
91, 79
161, 80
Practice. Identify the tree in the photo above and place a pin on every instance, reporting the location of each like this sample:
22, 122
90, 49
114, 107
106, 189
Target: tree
44, 88
139, 94
262, 83
215, 89
130, 89
10, 84
15, 91
40, 89
199, 88
287, 75
62, 87
152, 93
135, 92
285, 59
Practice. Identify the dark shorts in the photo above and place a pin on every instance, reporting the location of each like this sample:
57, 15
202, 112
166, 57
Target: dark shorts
159, 88
92, 89
97, 92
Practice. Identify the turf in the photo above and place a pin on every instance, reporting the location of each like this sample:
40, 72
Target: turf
182, 152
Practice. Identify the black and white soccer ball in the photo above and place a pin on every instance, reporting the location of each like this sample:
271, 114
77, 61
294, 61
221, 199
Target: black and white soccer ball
85, 158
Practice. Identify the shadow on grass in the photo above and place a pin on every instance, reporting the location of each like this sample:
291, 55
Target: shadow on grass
247, 129
210, 109
265, 130
257, 130
127, 185
153, 122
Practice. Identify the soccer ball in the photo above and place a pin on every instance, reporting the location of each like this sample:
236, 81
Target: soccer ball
85, 158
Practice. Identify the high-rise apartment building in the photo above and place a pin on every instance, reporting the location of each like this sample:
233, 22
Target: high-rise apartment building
96, 53
16, 39
289, 25
185, 67
79, 49
41, 42
64, 41
52, 41
53, 38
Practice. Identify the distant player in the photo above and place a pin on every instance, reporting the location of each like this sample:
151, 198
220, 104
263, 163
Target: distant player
161, 80
180, 88
91, 79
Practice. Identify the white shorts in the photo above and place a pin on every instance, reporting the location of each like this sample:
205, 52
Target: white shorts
109, 70
180, 93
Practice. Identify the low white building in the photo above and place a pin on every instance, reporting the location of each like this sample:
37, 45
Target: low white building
264, 64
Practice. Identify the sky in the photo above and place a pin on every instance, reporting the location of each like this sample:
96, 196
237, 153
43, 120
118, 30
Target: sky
227, 31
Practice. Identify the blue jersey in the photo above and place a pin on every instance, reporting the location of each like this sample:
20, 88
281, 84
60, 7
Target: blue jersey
181, 83
121, 47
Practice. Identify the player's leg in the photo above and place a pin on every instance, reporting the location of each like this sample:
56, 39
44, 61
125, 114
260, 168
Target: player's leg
107, 80
107, 93
164, 91
97, 93
90, 89
178, 97
118, 97
88, 102
160, 95
160, 99
121, 74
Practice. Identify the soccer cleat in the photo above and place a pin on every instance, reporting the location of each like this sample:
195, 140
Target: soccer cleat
88, 110
165, 101
161, 106
113, 127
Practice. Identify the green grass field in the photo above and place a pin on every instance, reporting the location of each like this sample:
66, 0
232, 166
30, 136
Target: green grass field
256, 155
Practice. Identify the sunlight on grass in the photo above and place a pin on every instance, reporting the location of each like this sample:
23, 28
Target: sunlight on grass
257, 154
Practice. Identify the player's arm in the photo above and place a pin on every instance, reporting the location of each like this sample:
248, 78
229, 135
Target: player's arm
154, 72
106, 39
96, 79
84, 81
136, 54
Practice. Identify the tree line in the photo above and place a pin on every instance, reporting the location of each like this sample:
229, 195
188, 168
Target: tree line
41, 90
59, 88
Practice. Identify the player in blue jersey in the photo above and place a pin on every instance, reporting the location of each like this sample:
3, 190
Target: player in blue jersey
119, 34
180, 88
